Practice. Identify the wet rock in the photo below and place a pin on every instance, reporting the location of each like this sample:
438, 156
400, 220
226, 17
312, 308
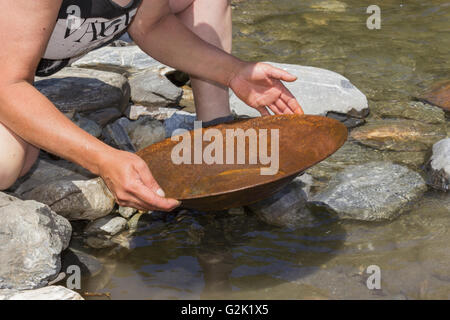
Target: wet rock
32, 237
124, 60
329, 6
104, 116
412, 110
398, 135
126, 212
195, 232
287, 208
84, 90
371, 192
46, 293
75, 199
109, 225
352, 153
438, 168
153, 90
318, 91
89, 265
349, 122
438, 95
179, 120
45, 171
134, 112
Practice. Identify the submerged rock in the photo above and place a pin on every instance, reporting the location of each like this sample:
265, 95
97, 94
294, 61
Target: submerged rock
412, 110
318, 91
398, 135
371, 192
438, 95
46, 293
287, 208
32, 237
84, 90
153, 90
438, 168
75, 199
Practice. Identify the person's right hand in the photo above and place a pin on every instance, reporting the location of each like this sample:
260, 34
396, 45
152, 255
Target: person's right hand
131, 182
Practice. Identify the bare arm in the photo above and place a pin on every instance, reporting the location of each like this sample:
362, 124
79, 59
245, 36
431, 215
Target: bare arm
160, 34
25, 28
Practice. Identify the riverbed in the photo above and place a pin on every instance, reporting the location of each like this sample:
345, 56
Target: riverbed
194, 255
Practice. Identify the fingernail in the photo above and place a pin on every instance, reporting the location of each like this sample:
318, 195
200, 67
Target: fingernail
160, 193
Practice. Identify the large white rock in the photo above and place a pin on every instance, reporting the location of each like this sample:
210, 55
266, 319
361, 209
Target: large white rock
318, 91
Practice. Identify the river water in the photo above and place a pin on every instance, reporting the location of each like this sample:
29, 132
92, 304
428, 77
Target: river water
225, 256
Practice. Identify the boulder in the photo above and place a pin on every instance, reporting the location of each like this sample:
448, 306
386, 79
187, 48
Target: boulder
372, 192
399, 135
179, 120
287, 208
104, 116
318, 91
126, 212
134, 112
438, 167
89, 265
46, 293
84, 90
153, 90
32, 237
75, 199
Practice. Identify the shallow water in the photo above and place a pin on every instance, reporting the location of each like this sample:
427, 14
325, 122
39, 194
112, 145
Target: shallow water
200, 256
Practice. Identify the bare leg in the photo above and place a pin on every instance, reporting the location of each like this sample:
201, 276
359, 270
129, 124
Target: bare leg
16, 157
211, 21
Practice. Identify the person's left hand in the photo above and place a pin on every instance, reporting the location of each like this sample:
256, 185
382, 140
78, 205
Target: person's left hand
259, 85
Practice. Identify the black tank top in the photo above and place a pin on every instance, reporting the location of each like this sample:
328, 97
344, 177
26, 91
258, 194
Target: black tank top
84, 25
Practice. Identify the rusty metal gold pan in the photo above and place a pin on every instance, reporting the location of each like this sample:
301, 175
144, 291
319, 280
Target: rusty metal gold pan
303, 141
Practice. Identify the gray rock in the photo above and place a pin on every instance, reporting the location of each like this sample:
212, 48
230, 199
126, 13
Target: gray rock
134, 135
151, 89
318, 91
45, 171
124, 60
126, 212
399, 135
372, 192
134, 112
145, 131
87, 125
104, 116
116, 135
46, 293
179, 120
109, 225
75, 199
84, 90
89, 265
412, 110
287, 208
438, 168
32, 237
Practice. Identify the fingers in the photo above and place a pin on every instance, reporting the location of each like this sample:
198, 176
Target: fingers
281, 74
152, 200
292, 103
263, 111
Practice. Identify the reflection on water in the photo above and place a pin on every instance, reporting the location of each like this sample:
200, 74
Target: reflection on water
200, 256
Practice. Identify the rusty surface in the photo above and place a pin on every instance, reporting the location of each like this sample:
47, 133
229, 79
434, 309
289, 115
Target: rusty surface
303, 141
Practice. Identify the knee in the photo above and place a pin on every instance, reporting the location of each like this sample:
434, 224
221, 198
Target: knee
16, 165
